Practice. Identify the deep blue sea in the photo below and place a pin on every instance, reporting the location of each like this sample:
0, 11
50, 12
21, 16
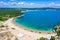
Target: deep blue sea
43, 20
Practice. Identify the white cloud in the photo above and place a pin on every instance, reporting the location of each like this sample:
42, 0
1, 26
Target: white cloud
58, 4
25, 4
21, 3
52, 4
32, 3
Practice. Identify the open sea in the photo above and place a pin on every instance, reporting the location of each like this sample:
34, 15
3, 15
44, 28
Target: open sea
41, 20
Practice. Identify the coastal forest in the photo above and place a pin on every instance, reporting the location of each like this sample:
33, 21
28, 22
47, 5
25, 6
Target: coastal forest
9, 13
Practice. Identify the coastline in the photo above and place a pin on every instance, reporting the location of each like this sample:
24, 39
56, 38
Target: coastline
30, 10
32, 30
27, 34
18, 16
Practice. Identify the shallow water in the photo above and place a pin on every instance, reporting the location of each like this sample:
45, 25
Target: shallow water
43, 20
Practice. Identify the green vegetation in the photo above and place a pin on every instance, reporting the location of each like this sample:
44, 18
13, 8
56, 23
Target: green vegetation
52, 38
58, 29
3, 18
58, 33
55, 29
13, 28
41, 38
5, 14
2, 26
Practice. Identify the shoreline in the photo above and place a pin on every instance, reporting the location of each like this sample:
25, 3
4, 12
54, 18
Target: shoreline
30, 10
17, 24
32, 30
29, 34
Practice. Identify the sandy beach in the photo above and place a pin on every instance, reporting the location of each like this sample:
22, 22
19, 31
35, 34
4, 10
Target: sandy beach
23, 34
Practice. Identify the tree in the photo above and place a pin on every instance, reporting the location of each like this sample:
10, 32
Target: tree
41, 38
52, 38
55, 29
58, 32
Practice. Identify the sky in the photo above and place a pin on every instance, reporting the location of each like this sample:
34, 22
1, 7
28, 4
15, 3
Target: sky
29, 3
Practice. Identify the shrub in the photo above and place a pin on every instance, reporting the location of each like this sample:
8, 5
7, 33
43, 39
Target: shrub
41, 38
58, 32
52, 38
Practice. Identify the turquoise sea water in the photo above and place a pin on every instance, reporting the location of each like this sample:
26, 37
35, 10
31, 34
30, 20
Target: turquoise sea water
43, 20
